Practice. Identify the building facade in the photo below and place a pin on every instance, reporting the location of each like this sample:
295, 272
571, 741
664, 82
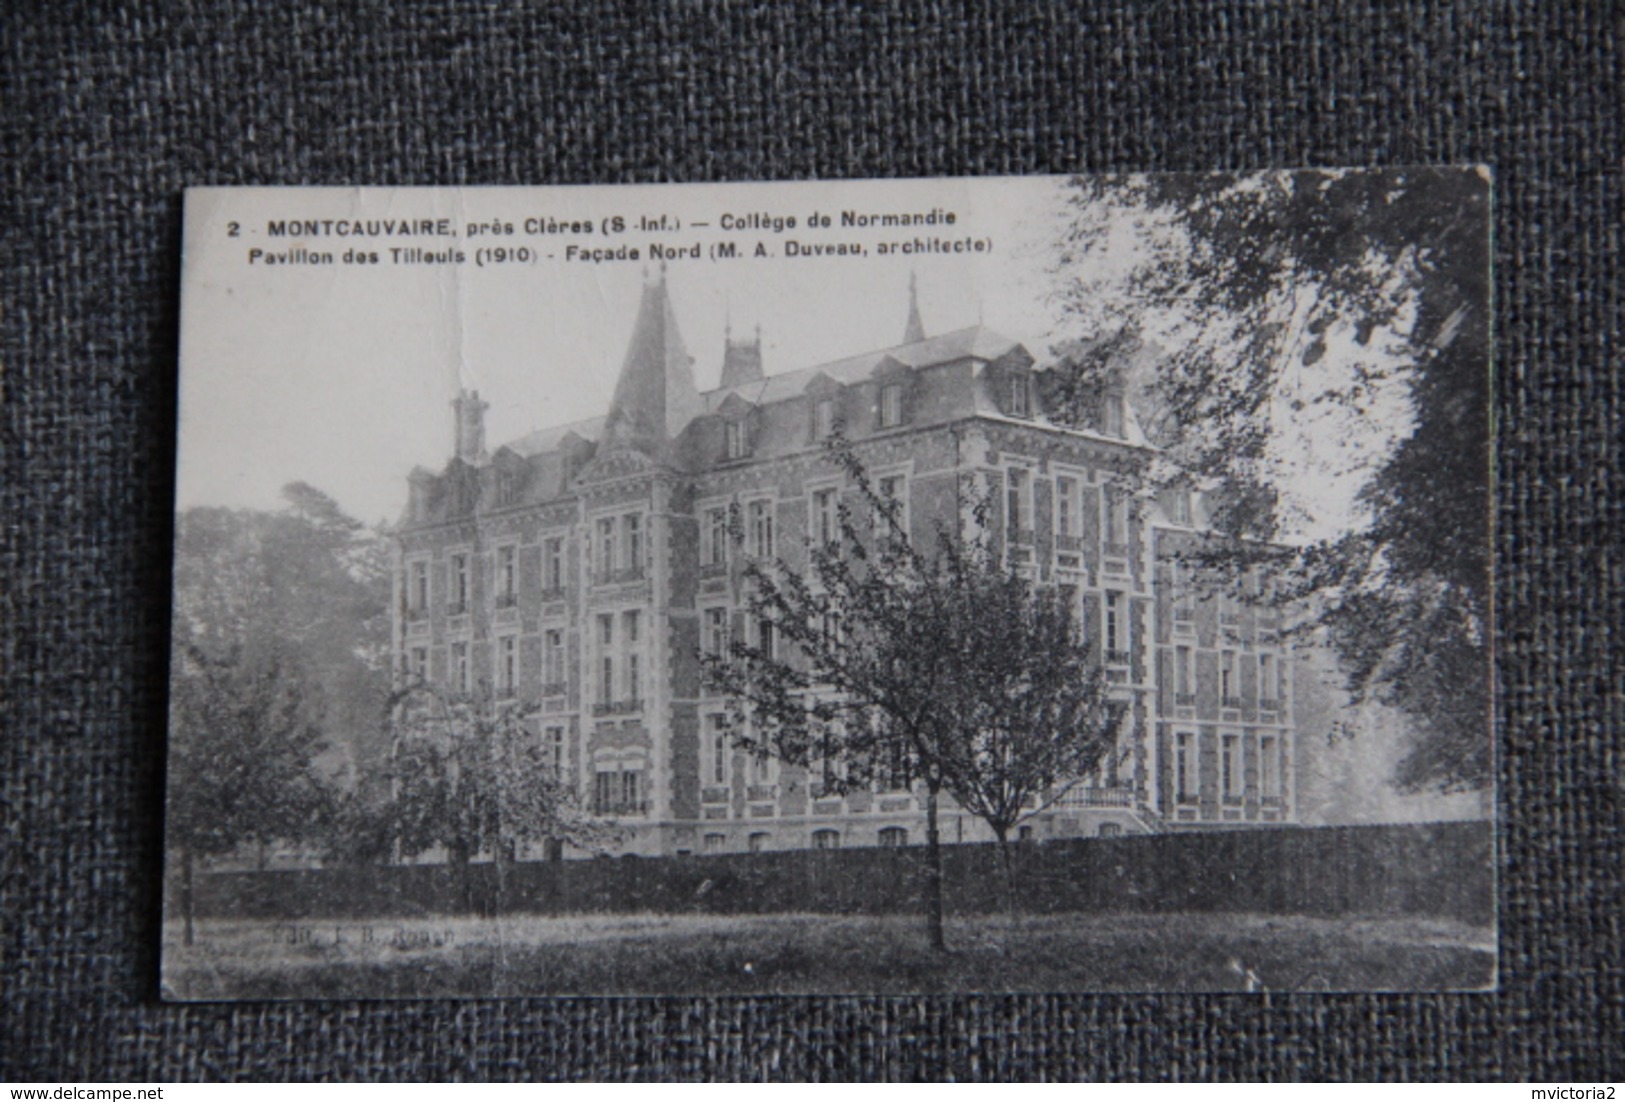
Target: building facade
582, 570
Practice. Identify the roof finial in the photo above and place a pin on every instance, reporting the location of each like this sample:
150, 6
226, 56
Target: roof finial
914, 332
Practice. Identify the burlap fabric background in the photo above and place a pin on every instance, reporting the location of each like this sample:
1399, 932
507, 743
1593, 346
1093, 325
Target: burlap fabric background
110, 110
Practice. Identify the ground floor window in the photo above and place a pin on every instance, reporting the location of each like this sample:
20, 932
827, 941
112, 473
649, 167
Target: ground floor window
826, 839
759, 841
1185, 787
1110, 830
714, 843
893, 836
617, 792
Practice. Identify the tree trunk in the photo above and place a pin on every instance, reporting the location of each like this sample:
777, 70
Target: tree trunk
460, 860
504, 858
1007, 888
188, 897
933, 871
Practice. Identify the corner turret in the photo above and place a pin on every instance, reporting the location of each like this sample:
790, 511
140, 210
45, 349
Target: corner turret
655, 397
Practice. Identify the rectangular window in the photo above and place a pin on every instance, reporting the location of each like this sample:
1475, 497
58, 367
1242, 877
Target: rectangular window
1179, 582
1066, 509
1185, 784
1112, 415
716, 631
553, 662
606, 639
1269, 767
606, 547
892, 489
830, 627
1182, 676
420, 663
631, 631
761, 529
716, 537
824, 418
507, 664
1179, 506
891, 405
825, 522
1227, 678
1116, 646
555, 565
1017, 394
631, 790
603, 792
1114, 522
459, 667
735, 439
764, 637
1016, 501
507, 574
459, 583
553, 749
1266, 678
419, 587
1231, 766
633, 524
719, 749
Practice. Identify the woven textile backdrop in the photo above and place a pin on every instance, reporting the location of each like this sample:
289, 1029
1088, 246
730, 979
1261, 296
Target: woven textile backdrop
109, 111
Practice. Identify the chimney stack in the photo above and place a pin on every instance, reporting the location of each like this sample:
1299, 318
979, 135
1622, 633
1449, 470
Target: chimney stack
470, 413
741, 360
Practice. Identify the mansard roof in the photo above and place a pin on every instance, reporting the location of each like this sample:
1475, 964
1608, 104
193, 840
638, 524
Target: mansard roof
655, 344
976, 342
548, 440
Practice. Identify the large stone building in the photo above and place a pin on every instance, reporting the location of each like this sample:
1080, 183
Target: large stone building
580, 570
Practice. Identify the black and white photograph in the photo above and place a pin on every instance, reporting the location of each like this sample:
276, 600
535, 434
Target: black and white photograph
1004, 584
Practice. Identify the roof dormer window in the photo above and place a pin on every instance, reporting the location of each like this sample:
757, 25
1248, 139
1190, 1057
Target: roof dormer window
1018, 394
824, 418
1112, 415
891, 405
736, 442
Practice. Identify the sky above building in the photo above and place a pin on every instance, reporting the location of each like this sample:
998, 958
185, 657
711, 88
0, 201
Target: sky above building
342, 375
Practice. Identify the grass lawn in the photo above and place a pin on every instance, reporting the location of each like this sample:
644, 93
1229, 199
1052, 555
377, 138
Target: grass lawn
807, 954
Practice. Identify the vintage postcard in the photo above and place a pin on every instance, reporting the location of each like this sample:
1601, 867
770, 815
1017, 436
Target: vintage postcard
985, 585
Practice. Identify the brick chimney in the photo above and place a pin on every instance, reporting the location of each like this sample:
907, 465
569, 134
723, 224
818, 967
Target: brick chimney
470, 427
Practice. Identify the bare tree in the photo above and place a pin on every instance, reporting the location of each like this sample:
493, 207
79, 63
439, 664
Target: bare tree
940, 665
470, 777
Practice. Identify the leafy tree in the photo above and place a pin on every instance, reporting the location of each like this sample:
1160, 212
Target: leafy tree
940, 666
311, 584
1342, 299
279, 640
240, 759
468, 776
